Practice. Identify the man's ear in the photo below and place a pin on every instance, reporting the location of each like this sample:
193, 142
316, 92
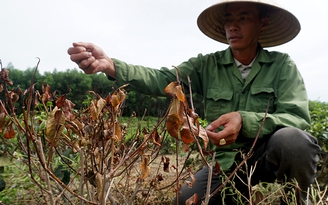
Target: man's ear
265, 22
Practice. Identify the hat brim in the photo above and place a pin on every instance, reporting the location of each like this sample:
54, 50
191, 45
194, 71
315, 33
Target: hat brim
283, 26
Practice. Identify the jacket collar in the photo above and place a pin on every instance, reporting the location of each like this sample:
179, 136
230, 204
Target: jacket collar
262, 57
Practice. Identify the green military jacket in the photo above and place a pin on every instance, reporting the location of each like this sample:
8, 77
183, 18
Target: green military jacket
217, 78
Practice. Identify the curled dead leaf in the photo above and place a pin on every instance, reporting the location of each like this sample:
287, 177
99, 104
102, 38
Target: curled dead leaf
173, 125
55, 126
144, 168
118, 131
166, 162
99, 185
156, 138
60, 102
191, 183
217, 169
203, 135
182, 120
4, 76
76, 146
68, 110
186, 136
14, 96
192, 200
46, 94
174, 118
2, 119
96, 108
118, 97
9, 133
175, 89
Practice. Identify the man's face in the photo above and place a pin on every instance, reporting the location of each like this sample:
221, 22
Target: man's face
242, 25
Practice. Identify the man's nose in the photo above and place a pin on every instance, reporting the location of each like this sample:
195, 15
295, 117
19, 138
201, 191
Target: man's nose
233, 25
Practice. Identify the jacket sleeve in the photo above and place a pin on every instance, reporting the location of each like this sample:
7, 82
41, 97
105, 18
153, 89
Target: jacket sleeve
290, 102
152, 81
143, 79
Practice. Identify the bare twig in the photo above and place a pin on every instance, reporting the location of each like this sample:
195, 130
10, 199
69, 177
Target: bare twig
209, 180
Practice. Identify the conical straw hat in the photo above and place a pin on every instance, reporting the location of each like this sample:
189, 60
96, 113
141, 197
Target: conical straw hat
283, 25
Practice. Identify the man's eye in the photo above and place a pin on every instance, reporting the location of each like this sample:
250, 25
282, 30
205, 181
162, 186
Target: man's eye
244, 18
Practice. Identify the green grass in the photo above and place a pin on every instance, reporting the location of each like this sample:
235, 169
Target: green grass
137, 125
19, 188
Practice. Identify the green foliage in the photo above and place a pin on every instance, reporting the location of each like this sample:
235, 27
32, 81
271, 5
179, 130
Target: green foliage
145, 104
319, 125
19, 187
101, 85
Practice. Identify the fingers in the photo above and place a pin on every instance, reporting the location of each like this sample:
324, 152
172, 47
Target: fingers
231, 124
87, 46
216, 137
76, 49
84, 64
80, 55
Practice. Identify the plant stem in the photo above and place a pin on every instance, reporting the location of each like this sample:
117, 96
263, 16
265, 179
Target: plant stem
81, 151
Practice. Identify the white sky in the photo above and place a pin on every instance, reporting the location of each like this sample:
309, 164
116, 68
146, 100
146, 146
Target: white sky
152, 33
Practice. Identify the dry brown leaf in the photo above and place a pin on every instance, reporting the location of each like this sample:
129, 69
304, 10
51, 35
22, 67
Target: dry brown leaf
118, 131
99, 185
144, 168
186, 136
68, 110
96, 108
2, 119
76, 146
4, 76
100, 105
185, 147
55, 125
191, 119
192, 200
156, 137
174, 118
217, 168
173, 125
97, 155
175, 89
46, 95
166, 162
182, 120
191, 183
93, 110
60, 102
203, 135
9, 133
159, 177
117, 98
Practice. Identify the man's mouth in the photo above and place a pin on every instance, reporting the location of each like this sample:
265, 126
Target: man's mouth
234, 37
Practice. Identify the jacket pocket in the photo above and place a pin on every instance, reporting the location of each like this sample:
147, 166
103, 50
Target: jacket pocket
261, 97
217, 102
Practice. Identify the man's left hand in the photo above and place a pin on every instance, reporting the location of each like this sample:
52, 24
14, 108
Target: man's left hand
231, 122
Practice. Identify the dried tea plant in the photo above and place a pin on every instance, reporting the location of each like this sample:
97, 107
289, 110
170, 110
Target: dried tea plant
82, 157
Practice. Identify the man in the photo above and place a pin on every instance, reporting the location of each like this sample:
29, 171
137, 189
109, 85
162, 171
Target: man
238, 84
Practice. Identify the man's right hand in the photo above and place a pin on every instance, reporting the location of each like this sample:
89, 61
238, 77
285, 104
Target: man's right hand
91, 59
